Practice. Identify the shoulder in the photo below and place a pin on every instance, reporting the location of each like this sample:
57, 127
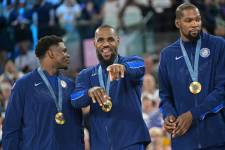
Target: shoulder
88, 71
213, 38
173, 47
24, 81
170, 52
216, 44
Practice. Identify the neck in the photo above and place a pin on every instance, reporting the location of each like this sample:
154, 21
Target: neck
49, 68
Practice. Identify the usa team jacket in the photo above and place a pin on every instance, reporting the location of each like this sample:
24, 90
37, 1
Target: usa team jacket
30, 117
123, 125
207, 107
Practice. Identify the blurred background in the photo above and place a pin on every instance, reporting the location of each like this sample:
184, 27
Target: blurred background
144, 26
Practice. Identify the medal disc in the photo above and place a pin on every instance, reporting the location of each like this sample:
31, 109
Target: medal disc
107, 106
195, 87
59, 119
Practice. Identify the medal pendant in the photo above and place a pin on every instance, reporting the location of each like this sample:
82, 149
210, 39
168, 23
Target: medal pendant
195, 87
59, 119
107, 106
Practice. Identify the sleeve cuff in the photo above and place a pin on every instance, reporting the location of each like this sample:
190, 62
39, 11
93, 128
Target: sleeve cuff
197, 114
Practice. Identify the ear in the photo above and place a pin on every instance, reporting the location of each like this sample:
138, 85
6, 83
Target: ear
177, 23
118, 39
50, 53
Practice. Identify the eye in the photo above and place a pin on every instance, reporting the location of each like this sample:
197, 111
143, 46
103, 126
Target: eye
100, 40
198, 19
187, 20
111, 39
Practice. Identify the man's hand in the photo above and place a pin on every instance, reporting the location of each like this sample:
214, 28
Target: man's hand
183, 123
169, 123
116, 71
98, 94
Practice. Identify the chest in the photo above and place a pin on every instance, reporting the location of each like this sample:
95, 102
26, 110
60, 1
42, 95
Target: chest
179, 73
38, 95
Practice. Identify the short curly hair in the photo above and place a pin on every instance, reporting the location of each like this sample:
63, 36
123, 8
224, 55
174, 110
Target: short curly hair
45, 43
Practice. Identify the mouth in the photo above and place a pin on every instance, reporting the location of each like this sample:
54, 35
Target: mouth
194, 30
106, 53
106, 50
67, 61
106, 57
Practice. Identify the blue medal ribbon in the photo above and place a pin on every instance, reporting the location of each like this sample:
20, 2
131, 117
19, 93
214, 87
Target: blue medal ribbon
193, 71
59, 102
101, 80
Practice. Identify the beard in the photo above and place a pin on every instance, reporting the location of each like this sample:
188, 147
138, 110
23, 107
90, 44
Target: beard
109, 61
63, 66
193, 37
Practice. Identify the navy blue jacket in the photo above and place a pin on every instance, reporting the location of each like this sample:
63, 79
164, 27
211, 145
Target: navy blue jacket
207, 107
30, 118
123, 125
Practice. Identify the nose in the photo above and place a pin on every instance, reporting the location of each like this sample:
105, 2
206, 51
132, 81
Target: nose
105, 44
195, 23
67, 55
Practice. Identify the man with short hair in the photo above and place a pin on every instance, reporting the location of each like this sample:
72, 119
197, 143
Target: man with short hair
39, 115
113, 89
192, 85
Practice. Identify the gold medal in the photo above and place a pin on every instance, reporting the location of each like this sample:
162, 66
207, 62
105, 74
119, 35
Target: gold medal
195, 87
59, 119
107, 106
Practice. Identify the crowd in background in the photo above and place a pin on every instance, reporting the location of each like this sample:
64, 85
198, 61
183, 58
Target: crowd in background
145, 26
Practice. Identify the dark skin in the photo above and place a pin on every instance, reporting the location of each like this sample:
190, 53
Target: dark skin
190, 26
98, 94
106, 43
55, 58
183, 123
169, 123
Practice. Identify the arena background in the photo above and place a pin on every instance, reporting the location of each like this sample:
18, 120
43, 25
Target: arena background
144, 26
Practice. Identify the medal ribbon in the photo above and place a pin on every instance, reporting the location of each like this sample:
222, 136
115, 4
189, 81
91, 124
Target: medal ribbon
101, 80
193, 71
59, 102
